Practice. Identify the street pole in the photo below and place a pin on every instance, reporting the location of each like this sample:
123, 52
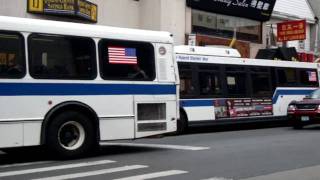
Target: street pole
316, 43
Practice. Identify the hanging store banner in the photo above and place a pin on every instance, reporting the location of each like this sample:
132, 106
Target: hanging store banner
260, 10
291, 30
73, 8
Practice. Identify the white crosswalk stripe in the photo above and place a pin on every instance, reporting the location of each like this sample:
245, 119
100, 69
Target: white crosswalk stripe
218, 178
154, 175
25, 164
89, 173
94, 173
54, 168
162, 146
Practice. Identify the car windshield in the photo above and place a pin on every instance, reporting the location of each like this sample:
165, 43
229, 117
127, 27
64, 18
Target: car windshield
315, 94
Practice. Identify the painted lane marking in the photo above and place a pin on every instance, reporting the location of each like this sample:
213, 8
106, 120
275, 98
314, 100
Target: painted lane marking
162, 146
94, 173
26, 164
218, 178
307, 173
154, 175
53, 168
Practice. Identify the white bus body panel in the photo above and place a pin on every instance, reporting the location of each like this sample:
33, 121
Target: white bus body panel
11, 134
21, 116
200, 113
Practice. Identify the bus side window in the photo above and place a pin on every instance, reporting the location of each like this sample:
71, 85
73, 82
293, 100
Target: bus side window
12, 59
62, 57
186, 86
236, 79
287, 77
209, 83
309, 77
261, 82
126, 60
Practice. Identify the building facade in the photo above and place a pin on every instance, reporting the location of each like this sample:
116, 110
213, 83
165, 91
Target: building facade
315, 5
292, 10
186, 19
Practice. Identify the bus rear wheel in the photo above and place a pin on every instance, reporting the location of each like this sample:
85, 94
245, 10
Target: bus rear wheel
297, 125
70, 135
182, 123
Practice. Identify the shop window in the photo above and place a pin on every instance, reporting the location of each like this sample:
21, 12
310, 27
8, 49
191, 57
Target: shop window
127, 60
12, 58
61, 57
224, 26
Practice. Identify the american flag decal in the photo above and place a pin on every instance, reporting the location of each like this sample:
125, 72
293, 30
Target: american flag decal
312, 76
122, 55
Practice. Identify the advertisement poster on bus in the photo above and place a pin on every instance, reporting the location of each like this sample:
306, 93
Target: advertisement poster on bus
232, 108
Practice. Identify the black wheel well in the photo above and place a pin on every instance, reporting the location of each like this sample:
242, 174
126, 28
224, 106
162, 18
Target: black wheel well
182, 111
70, 106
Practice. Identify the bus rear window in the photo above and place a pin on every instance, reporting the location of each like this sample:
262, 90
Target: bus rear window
12, 58
309, 77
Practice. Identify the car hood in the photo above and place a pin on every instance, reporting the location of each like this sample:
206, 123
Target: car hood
308, 101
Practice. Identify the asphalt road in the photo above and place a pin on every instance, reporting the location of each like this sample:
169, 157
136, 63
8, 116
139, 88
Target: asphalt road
267, 153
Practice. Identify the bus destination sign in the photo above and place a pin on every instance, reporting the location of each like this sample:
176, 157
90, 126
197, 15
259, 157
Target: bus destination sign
75, 8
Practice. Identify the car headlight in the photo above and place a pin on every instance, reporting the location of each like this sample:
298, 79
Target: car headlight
291, 107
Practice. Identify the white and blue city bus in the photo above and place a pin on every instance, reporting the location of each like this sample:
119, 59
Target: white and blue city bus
71, 86
218, 87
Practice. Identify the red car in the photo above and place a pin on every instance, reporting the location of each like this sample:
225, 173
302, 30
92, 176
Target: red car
306, 111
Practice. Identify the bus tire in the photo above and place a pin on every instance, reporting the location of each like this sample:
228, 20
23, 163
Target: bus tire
70, 134
182, 123
297, 125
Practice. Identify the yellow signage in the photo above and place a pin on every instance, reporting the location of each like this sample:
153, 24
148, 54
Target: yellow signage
74, 8
87, 9
35, 5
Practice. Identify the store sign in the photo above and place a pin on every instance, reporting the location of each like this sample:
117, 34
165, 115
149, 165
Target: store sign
260, 10
75, 8
291, 30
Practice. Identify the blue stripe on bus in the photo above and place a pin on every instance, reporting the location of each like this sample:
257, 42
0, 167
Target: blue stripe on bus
278, 93
282, 92
196, 103
66, 89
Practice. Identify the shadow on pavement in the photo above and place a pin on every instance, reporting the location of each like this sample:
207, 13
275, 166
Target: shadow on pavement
37, 154
237, 127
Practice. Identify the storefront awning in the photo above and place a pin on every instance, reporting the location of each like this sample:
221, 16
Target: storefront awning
293, 10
